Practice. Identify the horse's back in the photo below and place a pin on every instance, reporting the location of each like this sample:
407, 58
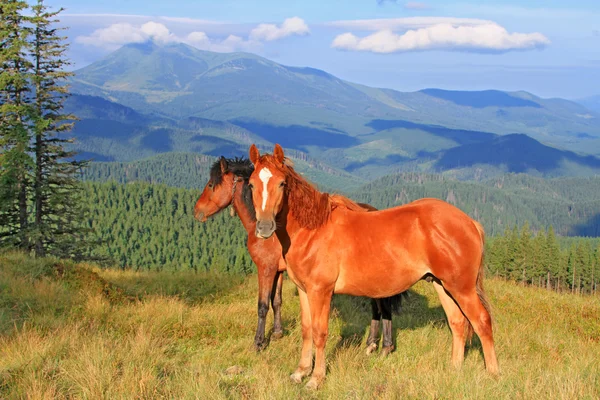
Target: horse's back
427, 231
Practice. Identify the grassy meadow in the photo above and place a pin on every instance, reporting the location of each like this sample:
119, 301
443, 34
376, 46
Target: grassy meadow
77, 331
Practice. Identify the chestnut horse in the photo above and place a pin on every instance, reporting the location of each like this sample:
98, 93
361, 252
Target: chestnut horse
228, 185
330, 246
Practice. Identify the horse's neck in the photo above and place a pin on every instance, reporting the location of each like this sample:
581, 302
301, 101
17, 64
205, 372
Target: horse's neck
241, 209
306, 208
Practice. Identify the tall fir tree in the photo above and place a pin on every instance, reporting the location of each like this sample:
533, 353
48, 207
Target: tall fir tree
56, 190
16, 163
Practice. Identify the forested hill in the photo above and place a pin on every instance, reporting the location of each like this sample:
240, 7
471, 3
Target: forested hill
150, 226
190, 170
570, 205
146, 226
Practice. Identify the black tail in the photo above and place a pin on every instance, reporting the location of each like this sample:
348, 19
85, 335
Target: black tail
395, 302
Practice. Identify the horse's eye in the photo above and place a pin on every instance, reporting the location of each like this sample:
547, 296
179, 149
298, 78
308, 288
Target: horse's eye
210, 185
251, 186
282, 184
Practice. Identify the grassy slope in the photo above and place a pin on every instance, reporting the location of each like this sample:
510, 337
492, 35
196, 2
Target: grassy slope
76, 335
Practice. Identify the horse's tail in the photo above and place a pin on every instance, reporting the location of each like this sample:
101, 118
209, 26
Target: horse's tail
396, 302
479, 282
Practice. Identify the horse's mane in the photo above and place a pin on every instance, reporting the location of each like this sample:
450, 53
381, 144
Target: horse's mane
238, 166
241, 167
310, 207
338, 200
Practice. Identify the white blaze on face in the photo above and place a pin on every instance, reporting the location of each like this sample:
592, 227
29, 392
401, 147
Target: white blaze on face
264, 176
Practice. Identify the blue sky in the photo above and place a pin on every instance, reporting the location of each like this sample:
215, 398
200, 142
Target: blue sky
550, 48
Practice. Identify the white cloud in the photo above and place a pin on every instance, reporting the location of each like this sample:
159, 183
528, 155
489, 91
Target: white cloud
158, 32
118, 34
443, 36
270, 32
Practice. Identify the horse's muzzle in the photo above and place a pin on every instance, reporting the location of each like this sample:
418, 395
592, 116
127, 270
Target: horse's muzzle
265, 229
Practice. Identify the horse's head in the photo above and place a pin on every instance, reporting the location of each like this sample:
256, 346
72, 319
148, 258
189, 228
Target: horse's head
268, 188
218, 192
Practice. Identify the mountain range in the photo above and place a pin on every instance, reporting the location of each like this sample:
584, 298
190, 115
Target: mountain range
146, 99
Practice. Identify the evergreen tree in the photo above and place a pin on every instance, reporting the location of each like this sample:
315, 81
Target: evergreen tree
525, 253
15, 109
56, 194
553, 270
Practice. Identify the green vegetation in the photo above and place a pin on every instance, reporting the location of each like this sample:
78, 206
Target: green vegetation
190, 170
75, 331
537, 260
570, 205
39, 203
151, 227
184, 170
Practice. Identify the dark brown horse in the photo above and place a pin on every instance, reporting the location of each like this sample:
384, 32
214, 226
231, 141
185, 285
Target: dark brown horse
228, 185
331, 246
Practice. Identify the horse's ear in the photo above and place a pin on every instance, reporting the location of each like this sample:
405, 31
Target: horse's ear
223, 163
254, 154
278, 153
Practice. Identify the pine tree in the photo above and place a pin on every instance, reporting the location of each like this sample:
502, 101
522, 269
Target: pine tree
15, 109
525, 255
56, 191
554, 270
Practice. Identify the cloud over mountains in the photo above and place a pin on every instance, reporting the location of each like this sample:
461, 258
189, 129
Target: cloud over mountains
118, 34
434, 33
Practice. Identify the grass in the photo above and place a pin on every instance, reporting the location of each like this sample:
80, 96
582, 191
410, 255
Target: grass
75, 331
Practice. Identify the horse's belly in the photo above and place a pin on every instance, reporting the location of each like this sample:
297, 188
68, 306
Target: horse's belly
375, 282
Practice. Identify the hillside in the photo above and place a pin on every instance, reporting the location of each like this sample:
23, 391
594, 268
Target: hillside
570, 205
131, 334
190, 170
592, 103
151, 226
108, 131
184, 99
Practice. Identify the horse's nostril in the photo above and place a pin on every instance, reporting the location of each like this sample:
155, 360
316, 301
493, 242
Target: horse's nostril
265, 229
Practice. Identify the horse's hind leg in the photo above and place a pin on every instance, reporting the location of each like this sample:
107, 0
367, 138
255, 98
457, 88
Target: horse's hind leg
276, 304
480, 319
305, 364
386, 315
373, 338
458, 324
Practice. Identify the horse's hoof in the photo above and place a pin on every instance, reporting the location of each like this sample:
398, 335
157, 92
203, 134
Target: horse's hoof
313, 383
296, 377
258, 347
277, 335
371, 348
387, 350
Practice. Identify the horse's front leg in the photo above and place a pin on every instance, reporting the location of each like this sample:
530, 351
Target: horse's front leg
276, 304
266, 276
320, 303
305, 364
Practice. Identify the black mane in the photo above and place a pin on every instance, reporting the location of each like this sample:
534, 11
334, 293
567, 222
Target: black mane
241, 167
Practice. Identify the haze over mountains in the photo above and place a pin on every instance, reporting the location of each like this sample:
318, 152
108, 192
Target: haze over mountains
145, 99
